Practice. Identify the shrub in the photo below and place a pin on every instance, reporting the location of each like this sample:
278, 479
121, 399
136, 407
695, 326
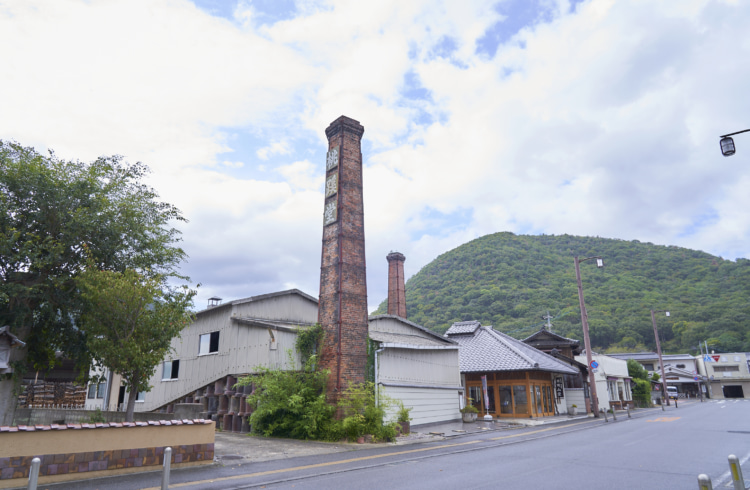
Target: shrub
402, 414
363, 416
469, 409
290, 403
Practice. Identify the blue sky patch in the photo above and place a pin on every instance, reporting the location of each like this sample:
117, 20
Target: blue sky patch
436, 223
517, 14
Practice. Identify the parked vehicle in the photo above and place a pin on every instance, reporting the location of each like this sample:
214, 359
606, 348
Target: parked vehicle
672, 392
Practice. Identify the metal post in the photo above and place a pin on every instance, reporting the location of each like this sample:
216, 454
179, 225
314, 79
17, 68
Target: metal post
675, 403
614, 417
165, 472
605, 416
661, 362
34, 473
704, 482
586, 340
736, 470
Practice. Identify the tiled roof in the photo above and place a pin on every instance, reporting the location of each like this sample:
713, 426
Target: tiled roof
460, 328
490, 350
98, 425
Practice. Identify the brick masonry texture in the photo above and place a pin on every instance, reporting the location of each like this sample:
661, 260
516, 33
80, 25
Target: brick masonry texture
60, 464
396, 286
343, 279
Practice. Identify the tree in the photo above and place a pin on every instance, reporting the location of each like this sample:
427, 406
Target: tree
636, 370
49, 210
129, 321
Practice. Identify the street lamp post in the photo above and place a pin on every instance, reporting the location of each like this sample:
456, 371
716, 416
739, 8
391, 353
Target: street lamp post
727, 143
658, 351
585, 322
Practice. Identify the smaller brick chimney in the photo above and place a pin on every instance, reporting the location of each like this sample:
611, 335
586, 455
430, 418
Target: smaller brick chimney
396, 287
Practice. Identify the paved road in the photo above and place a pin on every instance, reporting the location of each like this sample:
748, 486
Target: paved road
655, 449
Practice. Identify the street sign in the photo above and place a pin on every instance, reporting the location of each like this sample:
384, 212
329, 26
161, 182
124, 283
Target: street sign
594, 364
695, 378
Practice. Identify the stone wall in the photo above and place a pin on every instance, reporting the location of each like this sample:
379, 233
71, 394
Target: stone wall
98, 450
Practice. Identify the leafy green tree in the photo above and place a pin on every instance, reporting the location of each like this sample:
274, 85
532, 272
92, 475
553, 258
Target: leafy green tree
50, 210
636, 370
130, 321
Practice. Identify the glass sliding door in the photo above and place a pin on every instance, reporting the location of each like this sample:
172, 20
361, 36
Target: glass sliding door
520, 400
505, 394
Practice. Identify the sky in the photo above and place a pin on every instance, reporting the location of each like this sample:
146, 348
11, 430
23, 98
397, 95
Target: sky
593, 118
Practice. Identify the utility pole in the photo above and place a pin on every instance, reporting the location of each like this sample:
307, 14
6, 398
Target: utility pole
658, 351
586, 340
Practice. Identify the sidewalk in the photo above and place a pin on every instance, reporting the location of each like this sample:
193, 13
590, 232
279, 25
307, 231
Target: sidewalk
231, 448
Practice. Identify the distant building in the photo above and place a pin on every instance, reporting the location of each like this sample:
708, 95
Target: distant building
728, 374
680, 370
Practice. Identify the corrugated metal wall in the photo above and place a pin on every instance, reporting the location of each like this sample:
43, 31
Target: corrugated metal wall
242, 348
429, 404
419, 366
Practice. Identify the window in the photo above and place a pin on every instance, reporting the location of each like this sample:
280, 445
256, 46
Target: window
170, 370
209, 342
97, 390
681, 366
725, 369
141, 396
648, 366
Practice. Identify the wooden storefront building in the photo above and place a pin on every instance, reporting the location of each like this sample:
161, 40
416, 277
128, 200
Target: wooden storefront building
521, 380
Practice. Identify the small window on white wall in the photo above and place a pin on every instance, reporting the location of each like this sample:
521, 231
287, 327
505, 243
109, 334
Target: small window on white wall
171, 370
141, 396
209, 342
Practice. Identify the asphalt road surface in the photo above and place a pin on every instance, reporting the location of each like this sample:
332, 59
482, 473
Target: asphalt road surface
653, 450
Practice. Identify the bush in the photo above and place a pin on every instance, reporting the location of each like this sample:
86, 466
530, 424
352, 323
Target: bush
469, 409
402, 414
642, 393
362, 416
290, 403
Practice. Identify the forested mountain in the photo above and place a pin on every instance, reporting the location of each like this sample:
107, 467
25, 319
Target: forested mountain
511, 281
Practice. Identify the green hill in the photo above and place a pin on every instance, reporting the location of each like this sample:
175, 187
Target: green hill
511, 281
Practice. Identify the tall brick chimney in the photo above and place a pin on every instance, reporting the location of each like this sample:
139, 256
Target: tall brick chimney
342, 309
396, 287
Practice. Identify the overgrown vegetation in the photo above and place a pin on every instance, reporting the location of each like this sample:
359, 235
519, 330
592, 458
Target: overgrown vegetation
642, 389
510, 281
293, 404
309, 341
290, 403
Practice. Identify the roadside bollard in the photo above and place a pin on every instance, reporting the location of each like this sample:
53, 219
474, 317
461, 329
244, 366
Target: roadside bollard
627, 407
605, 416
662, 406
34, 473
736, 470
704, 482
165, 473
675, 403
614, 416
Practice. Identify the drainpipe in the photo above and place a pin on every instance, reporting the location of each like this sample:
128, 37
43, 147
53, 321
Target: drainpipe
376, 375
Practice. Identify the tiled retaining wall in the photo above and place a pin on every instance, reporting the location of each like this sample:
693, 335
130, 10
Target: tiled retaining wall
104, 451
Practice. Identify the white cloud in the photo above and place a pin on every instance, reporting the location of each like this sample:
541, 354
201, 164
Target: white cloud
599, 122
